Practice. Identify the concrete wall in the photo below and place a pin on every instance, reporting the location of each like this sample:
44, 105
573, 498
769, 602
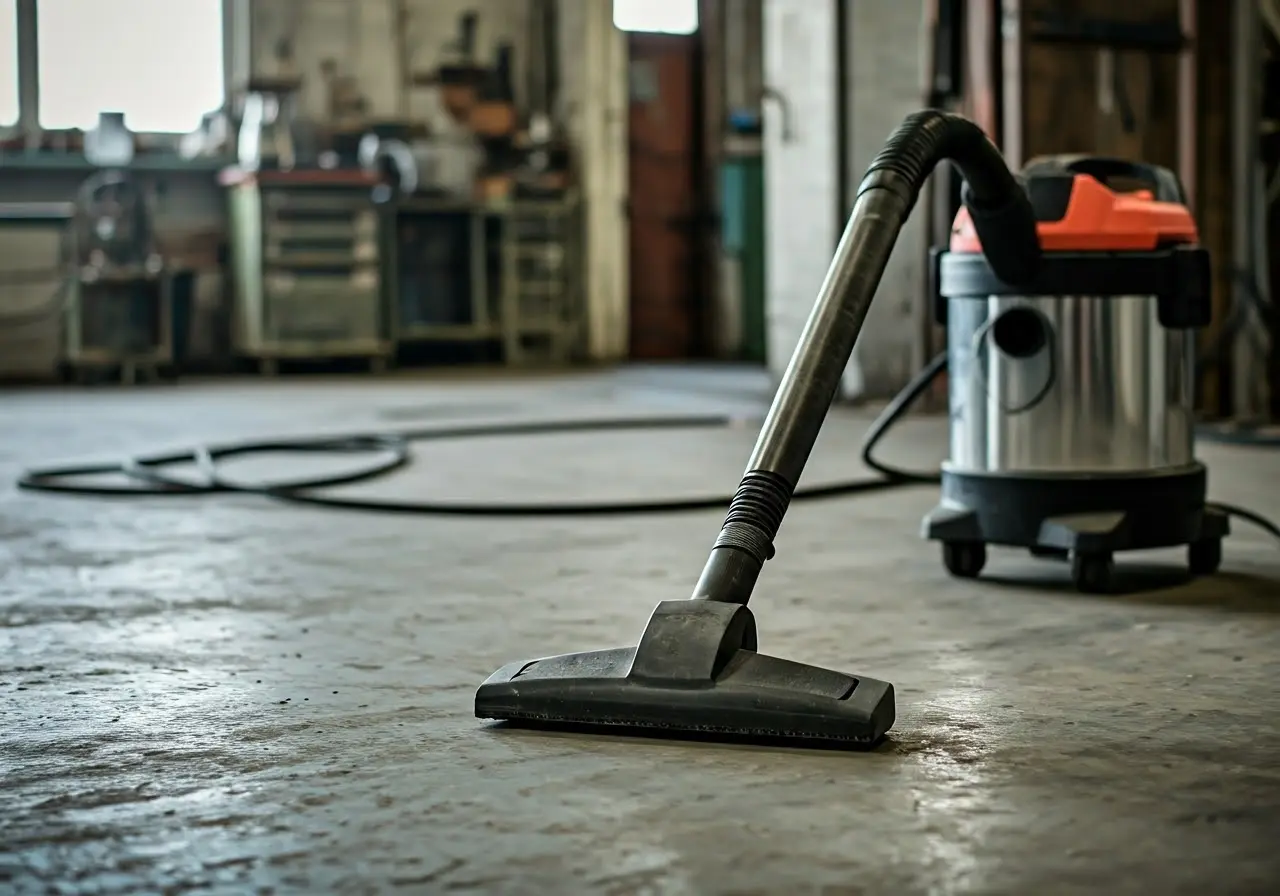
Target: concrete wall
361, 38
593, 105
801, 168
886, 43
884, 64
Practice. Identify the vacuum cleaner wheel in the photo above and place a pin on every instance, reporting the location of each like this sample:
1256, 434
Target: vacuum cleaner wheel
964, 559
1086, 520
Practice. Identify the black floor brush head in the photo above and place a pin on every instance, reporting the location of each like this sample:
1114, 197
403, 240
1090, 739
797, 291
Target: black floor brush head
695, 673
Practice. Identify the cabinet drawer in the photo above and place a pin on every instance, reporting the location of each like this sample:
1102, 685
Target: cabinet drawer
311, 251
302, 308
314, 204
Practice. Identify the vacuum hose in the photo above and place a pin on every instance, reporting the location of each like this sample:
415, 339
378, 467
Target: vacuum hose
1006, 225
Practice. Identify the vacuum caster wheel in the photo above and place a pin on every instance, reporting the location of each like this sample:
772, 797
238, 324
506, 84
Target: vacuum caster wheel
1091, 573
964, 559
1204, 557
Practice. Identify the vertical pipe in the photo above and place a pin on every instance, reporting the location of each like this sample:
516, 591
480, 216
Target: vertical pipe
1013, 134
1187, 99
710, 79
1248, 367
980, 58
844, 114
28, 70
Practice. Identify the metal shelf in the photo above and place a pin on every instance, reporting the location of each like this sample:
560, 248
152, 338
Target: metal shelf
519, 286
57, 161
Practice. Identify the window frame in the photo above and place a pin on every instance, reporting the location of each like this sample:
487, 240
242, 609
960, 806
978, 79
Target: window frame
11, 128
236, 50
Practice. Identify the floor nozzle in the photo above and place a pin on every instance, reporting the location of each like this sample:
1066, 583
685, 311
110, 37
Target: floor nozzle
695, 670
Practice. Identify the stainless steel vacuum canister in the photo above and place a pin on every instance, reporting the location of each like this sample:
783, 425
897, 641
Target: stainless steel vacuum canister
1071, 399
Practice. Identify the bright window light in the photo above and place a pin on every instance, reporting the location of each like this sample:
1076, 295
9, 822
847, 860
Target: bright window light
662, 16
8, 62
157, 61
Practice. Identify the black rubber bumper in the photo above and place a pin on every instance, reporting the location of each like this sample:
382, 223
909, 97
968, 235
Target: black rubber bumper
1097, 514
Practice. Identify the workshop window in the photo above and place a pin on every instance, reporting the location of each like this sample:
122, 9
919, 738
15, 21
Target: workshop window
661, 16
157, 61
8, 62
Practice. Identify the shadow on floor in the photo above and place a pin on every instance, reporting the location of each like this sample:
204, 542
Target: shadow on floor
1162, 584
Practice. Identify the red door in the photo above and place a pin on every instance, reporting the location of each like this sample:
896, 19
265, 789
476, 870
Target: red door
663, 196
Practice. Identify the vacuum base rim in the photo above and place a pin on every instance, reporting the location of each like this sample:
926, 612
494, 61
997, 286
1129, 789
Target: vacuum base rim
1100, 514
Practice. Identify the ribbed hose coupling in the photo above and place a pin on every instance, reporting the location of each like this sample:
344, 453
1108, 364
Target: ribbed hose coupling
997, 202
755, 515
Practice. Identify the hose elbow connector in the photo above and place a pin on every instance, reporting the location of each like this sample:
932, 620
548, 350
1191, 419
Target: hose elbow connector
1007, 231
996, 200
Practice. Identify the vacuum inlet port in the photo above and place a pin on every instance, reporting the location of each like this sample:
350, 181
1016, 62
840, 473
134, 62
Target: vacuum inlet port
1020, 332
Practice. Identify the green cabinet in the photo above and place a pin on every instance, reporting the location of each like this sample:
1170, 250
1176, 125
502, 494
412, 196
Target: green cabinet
742, 242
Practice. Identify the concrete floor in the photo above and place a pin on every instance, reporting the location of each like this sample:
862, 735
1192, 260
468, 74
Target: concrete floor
240, 696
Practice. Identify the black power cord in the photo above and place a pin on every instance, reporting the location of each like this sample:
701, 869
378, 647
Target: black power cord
147, 477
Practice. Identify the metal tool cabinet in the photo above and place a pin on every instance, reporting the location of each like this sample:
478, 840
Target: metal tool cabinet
306, 260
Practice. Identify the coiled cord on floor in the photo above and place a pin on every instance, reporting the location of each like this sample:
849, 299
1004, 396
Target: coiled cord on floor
147, 476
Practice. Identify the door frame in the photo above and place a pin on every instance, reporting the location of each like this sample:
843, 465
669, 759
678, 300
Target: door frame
702, 224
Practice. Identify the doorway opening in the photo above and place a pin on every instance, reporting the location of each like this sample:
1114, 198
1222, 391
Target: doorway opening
656, 16
666, 199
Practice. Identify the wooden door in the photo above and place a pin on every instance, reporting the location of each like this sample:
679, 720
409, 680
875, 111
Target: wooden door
663, 196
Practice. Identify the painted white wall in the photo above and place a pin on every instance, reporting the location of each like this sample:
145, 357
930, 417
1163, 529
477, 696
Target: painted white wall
884, 43
360, 37
593, 103
801, 169
886, 47
594, 107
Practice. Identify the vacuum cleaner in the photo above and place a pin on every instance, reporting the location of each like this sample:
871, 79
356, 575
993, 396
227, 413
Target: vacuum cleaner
696, 668
1072, 423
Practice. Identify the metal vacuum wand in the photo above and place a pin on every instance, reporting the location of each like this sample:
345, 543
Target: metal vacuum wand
697, 667
1003, 216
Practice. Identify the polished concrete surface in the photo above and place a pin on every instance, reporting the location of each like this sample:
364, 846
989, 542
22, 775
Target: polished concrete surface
231, 695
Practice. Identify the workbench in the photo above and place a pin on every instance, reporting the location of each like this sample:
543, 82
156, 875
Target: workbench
499, 272
189, 220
